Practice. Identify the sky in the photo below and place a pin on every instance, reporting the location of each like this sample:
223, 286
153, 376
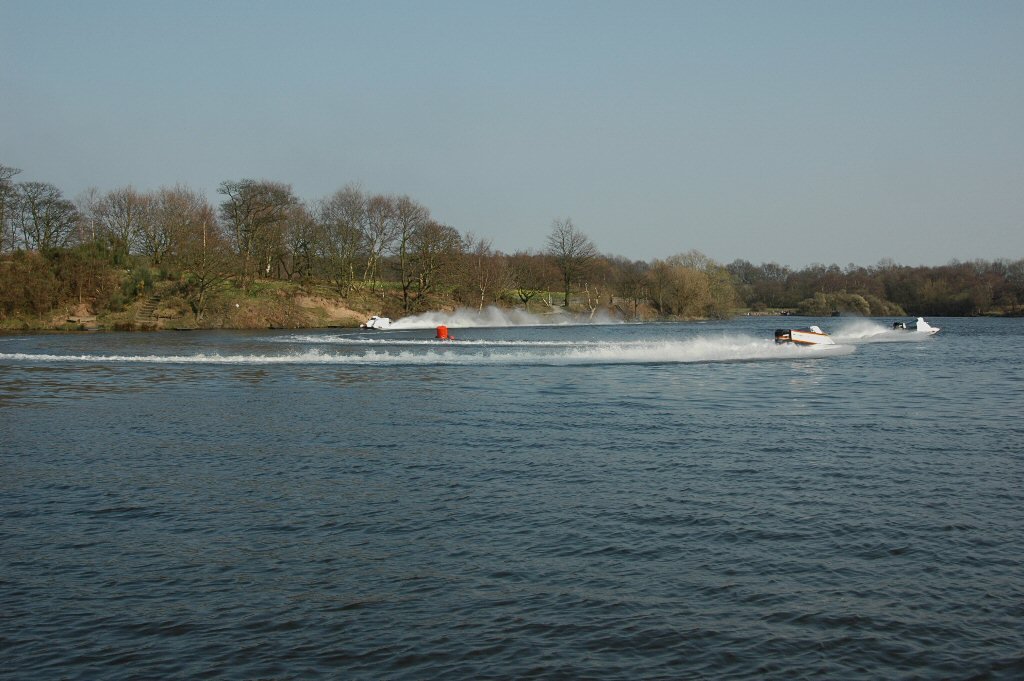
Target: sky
789, 132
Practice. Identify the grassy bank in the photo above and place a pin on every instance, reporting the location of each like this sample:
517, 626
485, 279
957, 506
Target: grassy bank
264, 305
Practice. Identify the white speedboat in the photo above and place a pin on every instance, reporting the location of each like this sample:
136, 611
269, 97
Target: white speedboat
812, 335
376, 322
918, 326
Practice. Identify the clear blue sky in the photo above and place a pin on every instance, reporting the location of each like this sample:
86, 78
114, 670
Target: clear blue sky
794, 132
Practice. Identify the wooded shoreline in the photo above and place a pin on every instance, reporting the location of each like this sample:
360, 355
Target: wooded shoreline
302, 309
263, 258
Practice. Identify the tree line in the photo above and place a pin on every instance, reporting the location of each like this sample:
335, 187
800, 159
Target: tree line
107, 249
955, 289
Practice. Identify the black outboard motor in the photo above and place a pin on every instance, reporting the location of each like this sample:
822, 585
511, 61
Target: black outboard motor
783, 336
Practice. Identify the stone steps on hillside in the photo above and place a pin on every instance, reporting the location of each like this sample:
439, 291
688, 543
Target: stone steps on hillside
146, 311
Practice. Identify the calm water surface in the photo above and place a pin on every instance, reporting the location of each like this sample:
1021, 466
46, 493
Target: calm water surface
655, 501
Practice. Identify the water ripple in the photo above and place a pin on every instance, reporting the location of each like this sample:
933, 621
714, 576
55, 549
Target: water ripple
859, 517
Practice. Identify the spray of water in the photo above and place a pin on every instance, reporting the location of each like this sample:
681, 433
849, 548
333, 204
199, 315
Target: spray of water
493, 317
385, 340
696, 350
860, 331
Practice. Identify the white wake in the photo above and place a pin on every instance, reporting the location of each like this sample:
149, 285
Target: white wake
696, 350
493, 317
859, 331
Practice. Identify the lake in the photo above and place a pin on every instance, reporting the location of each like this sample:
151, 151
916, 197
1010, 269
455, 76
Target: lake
603, 501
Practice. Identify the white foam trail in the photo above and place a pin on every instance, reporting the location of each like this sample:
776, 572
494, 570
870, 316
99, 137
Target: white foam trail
310, 357
861, 331
725, 349
493, 317
376, 340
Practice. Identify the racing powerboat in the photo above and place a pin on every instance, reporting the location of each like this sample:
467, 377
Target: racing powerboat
918, 326
376, 322
812, 335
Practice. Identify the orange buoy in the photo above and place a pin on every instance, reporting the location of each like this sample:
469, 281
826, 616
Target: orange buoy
442, 332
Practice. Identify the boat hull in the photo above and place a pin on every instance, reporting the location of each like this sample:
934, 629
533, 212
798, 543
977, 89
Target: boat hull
803, 337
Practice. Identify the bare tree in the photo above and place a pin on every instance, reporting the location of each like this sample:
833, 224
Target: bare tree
302, 242
124, 214
530, 274
342, 218
173, 208
197, 245
597, 283
410, 219
90, 223
659, 282
381, 228
180, 213
8, 195
254, 211
484, 272
572, 251
43, 218
436, 248
631, 283
693, 259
